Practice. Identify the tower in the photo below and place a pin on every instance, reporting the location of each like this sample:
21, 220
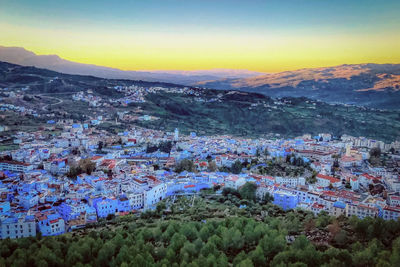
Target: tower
348, 150
176, 134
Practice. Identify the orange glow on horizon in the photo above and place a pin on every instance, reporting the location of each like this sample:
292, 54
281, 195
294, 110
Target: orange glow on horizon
267, 52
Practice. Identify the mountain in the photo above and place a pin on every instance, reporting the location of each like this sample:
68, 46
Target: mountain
21, 56
205, 111
226, 73
375, 85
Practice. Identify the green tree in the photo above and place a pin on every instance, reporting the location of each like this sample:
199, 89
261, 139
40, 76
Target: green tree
236, 167
257, 257
185, 165
248, 191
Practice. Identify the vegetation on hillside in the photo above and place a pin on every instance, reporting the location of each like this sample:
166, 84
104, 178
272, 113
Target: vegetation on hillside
209, 112
215, 231
255, 115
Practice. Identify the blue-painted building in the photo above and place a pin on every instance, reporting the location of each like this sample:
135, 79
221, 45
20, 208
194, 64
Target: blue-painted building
105, 206
51, 224
285, 200
4, 207
123, 204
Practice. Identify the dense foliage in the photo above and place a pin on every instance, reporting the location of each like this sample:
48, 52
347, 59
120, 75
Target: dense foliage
185, 165
193, 234
163, 147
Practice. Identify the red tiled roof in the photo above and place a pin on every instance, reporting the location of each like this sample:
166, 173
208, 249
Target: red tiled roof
327, 177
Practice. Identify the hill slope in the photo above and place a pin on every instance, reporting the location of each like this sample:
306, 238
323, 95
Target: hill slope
375, 85
190, 109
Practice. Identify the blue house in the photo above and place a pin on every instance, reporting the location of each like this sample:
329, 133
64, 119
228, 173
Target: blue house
52, 224
105, 206
4, 207
123, 204
285, 200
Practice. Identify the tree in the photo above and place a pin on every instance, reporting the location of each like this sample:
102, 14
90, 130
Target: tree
189, 231
257, 257
185, 165
266, 198
124, 256
245, 263
165, 147
230, 191
248, 191
212, 166
395, 258
204, 233
374, 156
100, 145
160, 207
375, 152
151, 149
74, 256
87, 165
236, 167
74, 171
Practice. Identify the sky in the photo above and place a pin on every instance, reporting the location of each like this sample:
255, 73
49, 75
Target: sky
266, 36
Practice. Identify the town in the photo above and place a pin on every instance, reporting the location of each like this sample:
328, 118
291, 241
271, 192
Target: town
53, 184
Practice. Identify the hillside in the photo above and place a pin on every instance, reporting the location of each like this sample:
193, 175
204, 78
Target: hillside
214, 231
49, 95
374, 85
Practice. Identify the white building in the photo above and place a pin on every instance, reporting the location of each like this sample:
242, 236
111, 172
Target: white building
154, 194
15, 166
17, 227
290, 181
391, 213
325, 181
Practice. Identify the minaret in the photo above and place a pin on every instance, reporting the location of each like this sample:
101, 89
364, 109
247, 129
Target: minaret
348, 150
176, 134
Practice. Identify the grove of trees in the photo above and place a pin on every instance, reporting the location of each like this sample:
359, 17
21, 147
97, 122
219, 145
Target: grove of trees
236, 241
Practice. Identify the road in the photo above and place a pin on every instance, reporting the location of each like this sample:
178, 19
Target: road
60, 101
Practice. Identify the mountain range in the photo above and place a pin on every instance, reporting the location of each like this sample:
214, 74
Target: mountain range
375, 85
372, 85
21, 56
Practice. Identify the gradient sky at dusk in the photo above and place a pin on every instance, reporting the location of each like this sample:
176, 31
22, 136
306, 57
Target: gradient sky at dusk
183, 34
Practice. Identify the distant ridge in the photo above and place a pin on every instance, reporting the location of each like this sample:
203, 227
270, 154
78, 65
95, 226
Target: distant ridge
21, 56
375, 85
